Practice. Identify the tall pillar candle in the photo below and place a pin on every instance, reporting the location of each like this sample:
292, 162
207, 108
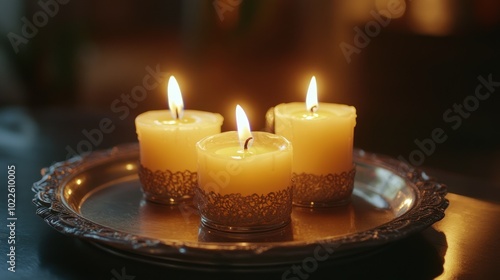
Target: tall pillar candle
322, 135
167, 143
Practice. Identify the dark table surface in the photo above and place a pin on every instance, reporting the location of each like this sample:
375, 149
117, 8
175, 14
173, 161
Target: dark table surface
464, 245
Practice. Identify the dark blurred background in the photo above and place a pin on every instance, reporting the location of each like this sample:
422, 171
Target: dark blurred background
65, 65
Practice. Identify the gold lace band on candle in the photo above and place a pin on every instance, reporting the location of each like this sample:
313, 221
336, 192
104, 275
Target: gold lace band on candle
312, 190
237, 213
167, 187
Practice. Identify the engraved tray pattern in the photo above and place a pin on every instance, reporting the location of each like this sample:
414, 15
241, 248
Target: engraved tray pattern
417, 205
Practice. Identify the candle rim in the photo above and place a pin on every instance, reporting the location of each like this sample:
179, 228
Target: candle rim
284, 146
284, 109
199, 117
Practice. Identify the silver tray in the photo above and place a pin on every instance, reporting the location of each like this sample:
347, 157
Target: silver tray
98, 198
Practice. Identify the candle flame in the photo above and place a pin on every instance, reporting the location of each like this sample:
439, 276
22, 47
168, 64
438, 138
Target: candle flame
244, 133
175, 102
312, 96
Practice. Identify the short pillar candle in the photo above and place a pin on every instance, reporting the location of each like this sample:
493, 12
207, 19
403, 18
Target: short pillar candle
244, 180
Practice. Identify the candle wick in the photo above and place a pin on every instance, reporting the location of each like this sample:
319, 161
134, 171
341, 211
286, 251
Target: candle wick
314, 108
177, 113
245, 147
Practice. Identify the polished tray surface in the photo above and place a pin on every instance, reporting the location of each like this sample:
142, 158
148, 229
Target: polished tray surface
98, 198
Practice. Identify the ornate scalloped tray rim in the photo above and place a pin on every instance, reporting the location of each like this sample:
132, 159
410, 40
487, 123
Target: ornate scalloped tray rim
429, 208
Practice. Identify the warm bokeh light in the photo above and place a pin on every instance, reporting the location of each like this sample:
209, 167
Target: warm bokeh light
357, 10
433, 17
391, 8
312, 96
175, 102
243, 125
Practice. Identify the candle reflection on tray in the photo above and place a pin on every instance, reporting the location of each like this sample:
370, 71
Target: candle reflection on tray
207, 234
311, 221
168, 221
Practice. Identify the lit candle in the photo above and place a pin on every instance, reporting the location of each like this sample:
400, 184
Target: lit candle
244, 179
167, 140
322, 135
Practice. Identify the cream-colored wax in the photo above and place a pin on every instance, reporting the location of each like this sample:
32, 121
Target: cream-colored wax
170, 144
225, 167
322, 141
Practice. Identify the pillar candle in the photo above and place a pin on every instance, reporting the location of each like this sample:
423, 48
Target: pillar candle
322, 135
167, 144
244, 179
